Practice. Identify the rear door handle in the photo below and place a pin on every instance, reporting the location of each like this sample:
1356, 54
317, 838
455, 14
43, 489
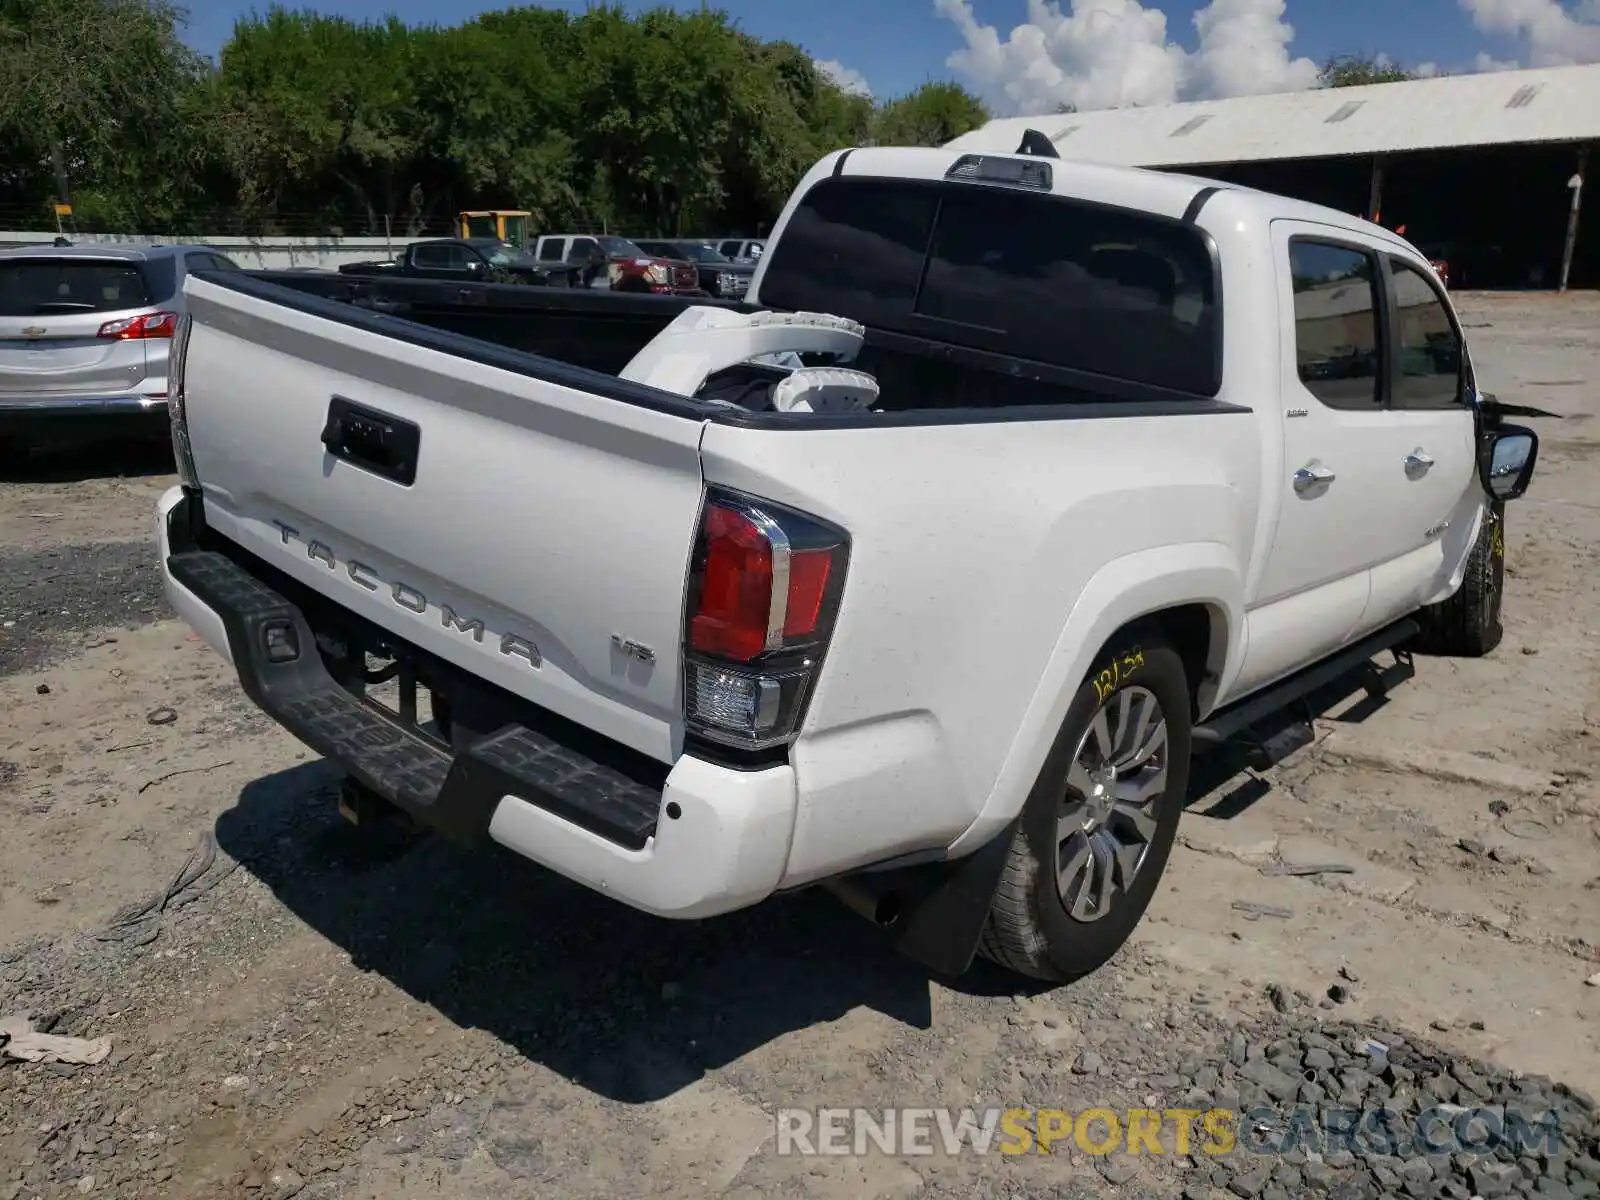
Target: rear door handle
1418, 463
1308, 479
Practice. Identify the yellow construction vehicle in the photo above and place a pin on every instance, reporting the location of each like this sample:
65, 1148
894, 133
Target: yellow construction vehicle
509, 225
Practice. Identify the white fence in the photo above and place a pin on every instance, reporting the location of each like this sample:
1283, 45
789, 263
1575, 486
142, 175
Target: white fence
265, 253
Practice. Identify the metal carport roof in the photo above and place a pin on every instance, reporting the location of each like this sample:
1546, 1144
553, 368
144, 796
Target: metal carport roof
1551, 105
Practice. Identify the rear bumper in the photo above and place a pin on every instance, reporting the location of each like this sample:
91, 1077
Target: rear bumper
690, 841
82, 416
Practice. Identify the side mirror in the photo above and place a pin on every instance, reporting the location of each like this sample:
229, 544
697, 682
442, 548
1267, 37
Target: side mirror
476, 266
1506, 461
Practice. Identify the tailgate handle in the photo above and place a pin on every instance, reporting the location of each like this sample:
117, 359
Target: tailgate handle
374, 441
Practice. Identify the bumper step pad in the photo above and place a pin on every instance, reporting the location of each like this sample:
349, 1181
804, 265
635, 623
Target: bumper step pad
456, 794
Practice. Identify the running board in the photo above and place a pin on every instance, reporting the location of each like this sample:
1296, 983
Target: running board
1229, 722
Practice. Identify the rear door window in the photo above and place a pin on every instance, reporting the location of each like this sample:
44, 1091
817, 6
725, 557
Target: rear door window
551, 249
1104, 291
32, 287
431, 258
1336, 344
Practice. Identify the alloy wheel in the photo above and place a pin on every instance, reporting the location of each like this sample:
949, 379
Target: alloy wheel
1109, 809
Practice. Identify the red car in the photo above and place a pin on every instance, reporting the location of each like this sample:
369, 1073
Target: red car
618, 264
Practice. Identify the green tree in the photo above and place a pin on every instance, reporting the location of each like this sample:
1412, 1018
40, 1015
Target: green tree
93, 106
789, 115
655, 103
930, 116
663, 121
1358, 70
317, 113
498, 113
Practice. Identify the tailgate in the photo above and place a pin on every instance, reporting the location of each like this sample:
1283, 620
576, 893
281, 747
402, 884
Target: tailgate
543, 543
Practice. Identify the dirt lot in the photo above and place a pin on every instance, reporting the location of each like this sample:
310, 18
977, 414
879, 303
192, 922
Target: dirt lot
333, 1015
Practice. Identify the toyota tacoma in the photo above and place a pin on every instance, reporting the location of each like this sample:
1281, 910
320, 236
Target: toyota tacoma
918, 576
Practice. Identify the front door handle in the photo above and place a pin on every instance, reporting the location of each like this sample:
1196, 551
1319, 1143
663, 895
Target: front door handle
1308, 479
1418, 463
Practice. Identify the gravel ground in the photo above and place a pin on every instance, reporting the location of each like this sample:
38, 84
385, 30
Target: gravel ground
75, 556
64, 596
322, 1013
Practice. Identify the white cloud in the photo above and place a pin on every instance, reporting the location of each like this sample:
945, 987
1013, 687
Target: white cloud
1555, 35
1105, 53
847, 79
1488, 62
1244, 50
1101, 54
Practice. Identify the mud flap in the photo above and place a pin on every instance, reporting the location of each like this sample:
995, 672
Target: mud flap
933, 912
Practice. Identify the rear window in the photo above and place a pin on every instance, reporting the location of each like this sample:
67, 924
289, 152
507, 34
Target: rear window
31, 287
854, 249
1084, 287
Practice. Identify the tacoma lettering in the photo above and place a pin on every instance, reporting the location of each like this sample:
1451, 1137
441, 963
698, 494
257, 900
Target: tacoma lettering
404, 595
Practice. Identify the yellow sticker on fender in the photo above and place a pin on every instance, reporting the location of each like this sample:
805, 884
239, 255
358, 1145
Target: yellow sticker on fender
1122, 668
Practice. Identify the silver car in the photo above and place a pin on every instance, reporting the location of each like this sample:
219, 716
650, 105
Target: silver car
84, 334
740, 250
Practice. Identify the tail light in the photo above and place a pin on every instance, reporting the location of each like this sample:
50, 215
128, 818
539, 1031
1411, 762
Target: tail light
177, 362
151, 325
764, 589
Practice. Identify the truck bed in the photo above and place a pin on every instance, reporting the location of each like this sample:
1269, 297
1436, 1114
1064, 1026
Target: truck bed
583, 327
603, 330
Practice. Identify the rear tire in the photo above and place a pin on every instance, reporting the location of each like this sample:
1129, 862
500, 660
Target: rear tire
1467, 625
1098, 827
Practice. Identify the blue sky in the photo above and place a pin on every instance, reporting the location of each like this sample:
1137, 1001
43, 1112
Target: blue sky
896, 44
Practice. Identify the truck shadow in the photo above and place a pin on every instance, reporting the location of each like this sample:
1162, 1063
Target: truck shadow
630, 1006
1224, 782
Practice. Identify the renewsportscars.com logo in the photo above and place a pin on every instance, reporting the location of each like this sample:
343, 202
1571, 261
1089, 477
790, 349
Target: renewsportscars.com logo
844, 1131
1441, 1129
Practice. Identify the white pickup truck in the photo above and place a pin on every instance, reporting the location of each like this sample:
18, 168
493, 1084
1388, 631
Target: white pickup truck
927, 600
